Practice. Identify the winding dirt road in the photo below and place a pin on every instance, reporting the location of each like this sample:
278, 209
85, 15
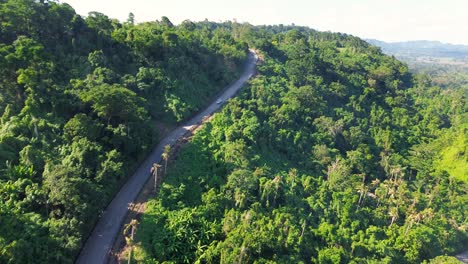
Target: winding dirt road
101, 240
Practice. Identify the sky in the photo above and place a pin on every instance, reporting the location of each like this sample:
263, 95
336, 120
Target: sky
387, 20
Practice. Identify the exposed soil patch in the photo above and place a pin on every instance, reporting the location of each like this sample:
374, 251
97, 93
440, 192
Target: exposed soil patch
120, 249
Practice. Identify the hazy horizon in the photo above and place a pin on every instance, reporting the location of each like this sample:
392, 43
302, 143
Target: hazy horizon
386, 20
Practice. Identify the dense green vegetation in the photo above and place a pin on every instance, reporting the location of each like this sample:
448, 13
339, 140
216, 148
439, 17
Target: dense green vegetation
444, 75
79, 98
334, 154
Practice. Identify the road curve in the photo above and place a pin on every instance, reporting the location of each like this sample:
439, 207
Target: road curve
101, 240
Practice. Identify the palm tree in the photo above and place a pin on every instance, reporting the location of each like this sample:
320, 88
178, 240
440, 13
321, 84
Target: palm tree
393, 212
396, 171
277, 182
129, 239
243, 252
154, 171
362, 189
385, 162
165, 156
412, 215
293, 174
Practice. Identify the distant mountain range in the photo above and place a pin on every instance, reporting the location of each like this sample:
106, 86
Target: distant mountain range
422, 48
447, 64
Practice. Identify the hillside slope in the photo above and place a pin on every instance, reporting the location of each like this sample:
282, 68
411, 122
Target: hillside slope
331, 156
79, 100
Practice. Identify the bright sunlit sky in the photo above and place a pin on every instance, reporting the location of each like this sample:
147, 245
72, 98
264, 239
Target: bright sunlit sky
387, 20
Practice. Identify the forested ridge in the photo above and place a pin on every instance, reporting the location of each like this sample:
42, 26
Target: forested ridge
335, 153
81, 102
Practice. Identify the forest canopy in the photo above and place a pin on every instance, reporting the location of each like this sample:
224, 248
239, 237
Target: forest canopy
82, 101
334, 153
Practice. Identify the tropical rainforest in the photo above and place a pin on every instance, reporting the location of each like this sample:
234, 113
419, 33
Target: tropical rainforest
82, 101
334, 152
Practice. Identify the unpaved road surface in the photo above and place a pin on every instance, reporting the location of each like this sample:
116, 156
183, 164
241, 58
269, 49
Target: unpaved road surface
101, 240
